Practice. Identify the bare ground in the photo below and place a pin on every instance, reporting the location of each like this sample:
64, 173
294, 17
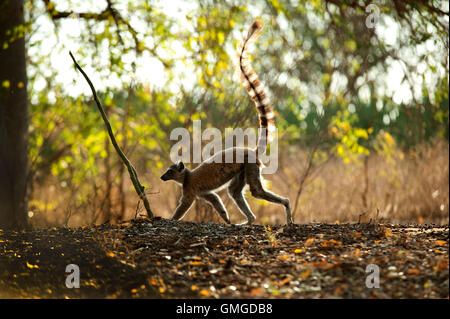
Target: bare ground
162, 258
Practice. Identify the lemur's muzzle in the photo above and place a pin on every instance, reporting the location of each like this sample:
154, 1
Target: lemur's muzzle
164, 177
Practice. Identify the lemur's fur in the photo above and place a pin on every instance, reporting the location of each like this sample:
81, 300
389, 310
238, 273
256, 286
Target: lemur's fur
212, 174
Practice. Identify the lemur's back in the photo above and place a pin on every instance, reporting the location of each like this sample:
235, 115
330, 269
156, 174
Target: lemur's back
221, 167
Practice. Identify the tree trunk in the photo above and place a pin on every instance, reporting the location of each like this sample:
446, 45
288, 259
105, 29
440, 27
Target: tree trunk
13, 116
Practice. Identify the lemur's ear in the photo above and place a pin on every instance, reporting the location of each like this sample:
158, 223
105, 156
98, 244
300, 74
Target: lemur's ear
180, 166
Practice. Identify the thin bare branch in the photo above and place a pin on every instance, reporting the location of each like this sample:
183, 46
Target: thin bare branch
133, 175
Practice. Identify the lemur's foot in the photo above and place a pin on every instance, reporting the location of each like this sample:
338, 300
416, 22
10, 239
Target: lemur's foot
290, 223
248, 222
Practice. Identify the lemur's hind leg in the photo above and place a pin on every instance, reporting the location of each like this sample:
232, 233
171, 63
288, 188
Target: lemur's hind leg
253, 178
216, 202
235, 192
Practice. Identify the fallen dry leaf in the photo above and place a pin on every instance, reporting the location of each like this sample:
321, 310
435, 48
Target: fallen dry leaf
204, 292
331, 243
305, 274
256, 291
31, 266
357, 234
413, 271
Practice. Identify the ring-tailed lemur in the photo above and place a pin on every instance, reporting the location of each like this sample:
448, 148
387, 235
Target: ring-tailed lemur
213, 174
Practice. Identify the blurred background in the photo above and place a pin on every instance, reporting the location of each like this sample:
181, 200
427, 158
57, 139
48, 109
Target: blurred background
360, 91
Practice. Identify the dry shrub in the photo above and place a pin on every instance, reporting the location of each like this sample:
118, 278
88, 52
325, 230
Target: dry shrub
406, 187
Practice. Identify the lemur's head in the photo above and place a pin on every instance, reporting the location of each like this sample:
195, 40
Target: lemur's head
175, 172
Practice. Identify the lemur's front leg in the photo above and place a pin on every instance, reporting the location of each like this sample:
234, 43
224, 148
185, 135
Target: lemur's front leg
184, 204
216, 202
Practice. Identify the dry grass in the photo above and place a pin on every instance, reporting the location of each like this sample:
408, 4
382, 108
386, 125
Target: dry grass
407, 187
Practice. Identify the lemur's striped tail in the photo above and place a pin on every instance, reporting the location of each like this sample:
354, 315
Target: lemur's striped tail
254, 86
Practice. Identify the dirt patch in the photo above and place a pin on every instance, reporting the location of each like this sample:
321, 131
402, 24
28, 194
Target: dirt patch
168, 259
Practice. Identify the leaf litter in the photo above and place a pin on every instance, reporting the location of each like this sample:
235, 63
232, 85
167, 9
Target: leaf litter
162, 258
